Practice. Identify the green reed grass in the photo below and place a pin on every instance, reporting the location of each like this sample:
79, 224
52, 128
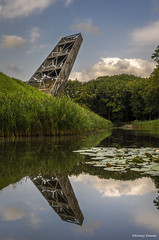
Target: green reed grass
25, 111
146, 125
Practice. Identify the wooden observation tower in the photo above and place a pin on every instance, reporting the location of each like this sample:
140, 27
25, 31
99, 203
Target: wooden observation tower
53, 73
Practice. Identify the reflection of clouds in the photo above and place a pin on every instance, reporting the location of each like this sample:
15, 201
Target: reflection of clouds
149, 219
116, 188
34, 221
12, 214
35, 206
15, 213
89, 227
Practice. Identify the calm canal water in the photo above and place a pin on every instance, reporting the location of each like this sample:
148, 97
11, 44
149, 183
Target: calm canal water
48, 192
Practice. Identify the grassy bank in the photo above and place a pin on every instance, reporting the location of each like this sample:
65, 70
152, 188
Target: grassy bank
146, 125
24, 111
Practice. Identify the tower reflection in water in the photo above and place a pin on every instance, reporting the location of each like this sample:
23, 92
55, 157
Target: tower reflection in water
57, 190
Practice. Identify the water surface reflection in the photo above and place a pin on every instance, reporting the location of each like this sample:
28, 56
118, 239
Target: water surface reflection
45, 186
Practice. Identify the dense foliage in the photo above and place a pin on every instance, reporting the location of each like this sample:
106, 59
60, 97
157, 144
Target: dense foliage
120, 97
25, 111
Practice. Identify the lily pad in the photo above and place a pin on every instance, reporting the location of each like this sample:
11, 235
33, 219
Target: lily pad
152, 173
115, 169
99, 165
155, 168
142, 160
137, 169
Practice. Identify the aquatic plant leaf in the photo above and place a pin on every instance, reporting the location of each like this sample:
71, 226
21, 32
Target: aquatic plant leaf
149, 155
112, 159
137, 169
155, 168
152, 173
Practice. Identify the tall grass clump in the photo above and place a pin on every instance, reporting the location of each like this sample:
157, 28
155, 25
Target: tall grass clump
25, 111
147, 125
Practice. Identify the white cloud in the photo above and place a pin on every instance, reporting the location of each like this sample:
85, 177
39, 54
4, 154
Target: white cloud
36, 48
34, 34
12, 214
12, 41
86, 26
116, 188
14, 68
115, 66
146, 35
67, 3
22, 8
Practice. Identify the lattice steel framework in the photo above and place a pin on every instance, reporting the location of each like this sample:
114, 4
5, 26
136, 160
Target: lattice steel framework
58, 191
53, 73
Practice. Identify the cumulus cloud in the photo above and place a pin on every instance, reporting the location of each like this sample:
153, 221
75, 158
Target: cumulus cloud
22, 8
12, 41
36, 48
14, 68
146, 35
115, 66
116, 188
86, 26
12, 214
34, 34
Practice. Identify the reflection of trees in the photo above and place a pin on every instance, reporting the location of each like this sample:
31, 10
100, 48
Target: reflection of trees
156, 202
50, 155
57, 190
132, 138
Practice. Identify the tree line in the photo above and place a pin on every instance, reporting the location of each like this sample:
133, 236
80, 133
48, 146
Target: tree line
123, 97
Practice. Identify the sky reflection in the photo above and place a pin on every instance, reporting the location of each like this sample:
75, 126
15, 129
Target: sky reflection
128, 204
111, 208
116, 188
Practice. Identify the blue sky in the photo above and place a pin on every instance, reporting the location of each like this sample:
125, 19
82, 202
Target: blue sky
119, 36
